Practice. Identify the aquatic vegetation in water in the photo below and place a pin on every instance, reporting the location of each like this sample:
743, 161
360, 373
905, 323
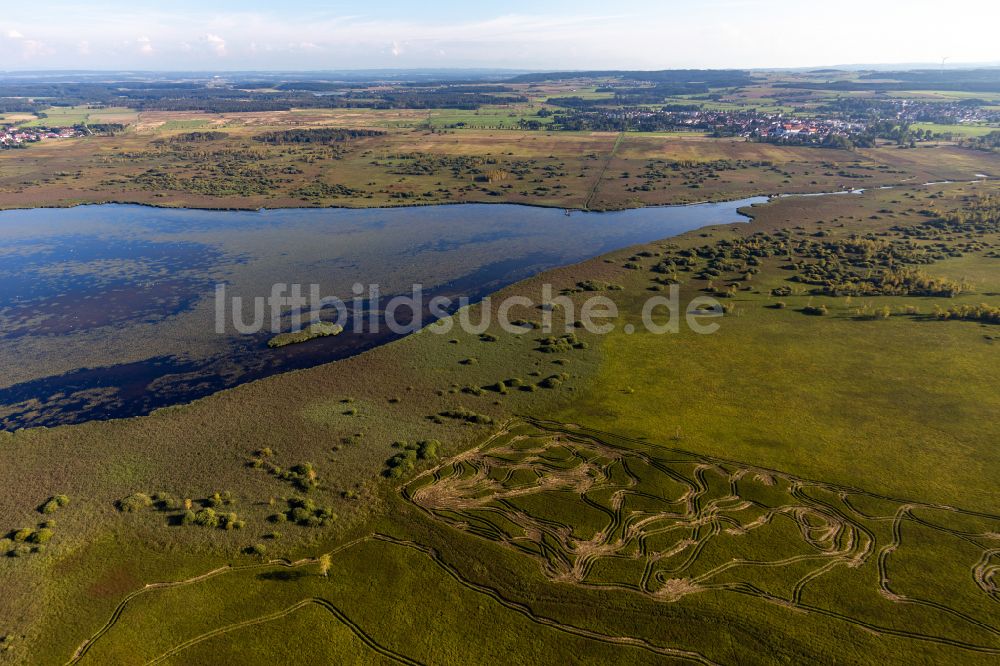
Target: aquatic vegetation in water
311, 332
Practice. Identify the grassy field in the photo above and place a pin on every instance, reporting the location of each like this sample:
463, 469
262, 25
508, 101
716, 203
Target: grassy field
946, 95
63, 116
786, 482
957, 130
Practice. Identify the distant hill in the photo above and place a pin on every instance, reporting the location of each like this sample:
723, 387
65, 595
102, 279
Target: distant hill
714, 78
967, 80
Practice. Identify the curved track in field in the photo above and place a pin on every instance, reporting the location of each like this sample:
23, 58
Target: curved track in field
86, 646
665, 513
667, 508
357, 630
523, 609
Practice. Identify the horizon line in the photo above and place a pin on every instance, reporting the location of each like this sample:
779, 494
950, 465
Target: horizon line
539, 70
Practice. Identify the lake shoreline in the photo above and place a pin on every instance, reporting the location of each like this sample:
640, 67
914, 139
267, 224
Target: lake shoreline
572, 209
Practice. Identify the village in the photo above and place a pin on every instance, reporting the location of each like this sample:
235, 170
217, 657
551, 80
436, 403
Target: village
17, 137
748, 124
837, 123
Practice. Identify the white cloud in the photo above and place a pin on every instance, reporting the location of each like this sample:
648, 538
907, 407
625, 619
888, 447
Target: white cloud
32, 48
754, 33
27, 49
218, 44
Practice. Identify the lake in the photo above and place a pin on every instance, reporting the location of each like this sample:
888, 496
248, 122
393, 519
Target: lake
108, 311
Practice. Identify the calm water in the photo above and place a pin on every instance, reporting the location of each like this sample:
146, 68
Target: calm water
108, 311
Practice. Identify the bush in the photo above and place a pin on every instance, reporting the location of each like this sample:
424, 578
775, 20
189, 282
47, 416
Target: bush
553, 381
221, 499
135, 502
304, 512
304, 475
816, 310
404, 461
560, 344
53, 504
41, 536
463, 414
22, 535
206, 518
983, 313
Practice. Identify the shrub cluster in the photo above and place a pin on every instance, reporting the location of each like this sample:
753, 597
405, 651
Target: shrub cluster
135, 502
318, 135
209, 517
592, 285
305, 513
553, 381
410, 452
53, 504
983, 313
27, 540
560, 344
463, 414
303, 476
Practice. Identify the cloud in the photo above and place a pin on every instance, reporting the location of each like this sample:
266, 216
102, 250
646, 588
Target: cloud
646, 34
32, 48
217, 44
28, 49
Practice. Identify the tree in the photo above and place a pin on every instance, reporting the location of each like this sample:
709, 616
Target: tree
325, 562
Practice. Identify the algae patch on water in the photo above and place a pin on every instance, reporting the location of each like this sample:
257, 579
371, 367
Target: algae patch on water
317, 330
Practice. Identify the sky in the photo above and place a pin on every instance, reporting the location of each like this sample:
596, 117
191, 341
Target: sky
549, 34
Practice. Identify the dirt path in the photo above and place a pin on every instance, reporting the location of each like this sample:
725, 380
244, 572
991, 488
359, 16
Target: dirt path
604, 170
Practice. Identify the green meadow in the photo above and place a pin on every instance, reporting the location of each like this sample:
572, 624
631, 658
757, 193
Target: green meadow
786, 481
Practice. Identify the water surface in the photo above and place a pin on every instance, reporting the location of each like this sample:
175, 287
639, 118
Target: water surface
108, 311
